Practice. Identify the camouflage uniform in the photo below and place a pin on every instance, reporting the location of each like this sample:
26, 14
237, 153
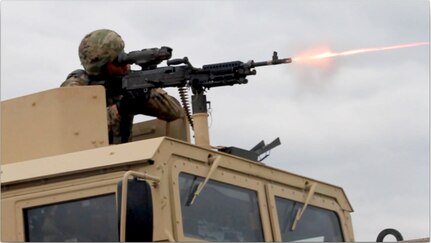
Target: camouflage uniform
95, 51
76, 78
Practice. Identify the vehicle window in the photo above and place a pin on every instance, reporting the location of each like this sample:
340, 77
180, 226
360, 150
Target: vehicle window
222, 212
316, 224
89, 219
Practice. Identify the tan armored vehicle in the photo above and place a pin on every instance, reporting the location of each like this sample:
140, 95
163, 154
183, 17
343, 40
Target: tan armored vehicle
61, 181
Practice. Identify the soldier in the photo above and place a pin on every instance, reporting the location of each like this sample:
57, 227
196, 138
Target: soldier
97, 53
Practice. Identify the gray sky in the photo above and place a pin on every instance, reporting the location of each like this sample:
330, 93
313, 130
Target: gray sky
361, 122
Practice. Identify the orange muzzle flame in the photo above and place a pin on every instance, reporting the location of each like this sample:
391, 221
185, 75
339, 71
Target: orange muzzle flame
310, 56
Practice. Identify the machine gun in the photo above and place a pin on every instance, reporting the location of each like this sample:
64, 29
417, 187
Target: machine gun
182, 74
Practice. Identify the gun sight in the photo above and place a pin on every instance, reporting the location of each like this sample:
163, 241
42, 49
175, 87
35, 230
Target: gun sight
146, 58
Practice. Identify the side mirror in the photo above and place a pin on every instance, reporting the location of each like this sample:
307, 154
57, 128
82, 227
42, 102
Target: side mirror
139, 211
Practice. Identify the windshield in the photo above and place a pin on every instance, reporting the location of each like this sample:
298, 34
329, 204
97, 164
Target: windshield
316, 224
89, 219
222, 212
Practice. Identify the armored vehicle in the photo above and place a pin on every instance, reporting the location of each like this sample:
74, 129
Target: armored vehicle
62, 181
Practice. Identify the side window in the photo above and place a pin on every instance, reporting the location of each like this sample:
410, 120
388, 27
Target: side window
89, 219
316, 224
222, 212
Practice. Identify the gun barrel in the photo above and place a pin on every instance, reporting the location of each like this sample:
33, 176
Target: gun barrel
273, 62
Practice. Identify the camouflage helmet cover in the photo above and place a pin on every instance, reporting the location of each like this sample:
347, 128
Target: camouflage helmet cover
98, 48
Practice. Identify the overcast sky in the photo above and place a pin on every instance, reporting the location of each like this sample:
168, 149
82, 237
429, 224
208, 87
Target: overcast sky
360, 122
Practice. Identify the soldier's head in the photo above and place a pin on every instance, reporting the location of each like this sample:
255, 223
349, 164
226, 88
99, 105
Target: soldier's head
98, 49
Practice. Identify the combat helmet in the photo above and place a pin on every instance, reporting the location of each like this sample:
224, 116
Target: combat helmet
98, 48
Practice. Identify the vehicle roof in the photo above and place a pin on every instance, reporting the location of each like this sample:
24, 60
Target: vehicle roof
145, 150
79, 161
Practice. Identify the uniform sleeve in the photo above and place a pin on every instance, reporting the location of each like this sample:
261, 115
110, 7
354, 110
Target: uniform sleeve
164, 106
76, 78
